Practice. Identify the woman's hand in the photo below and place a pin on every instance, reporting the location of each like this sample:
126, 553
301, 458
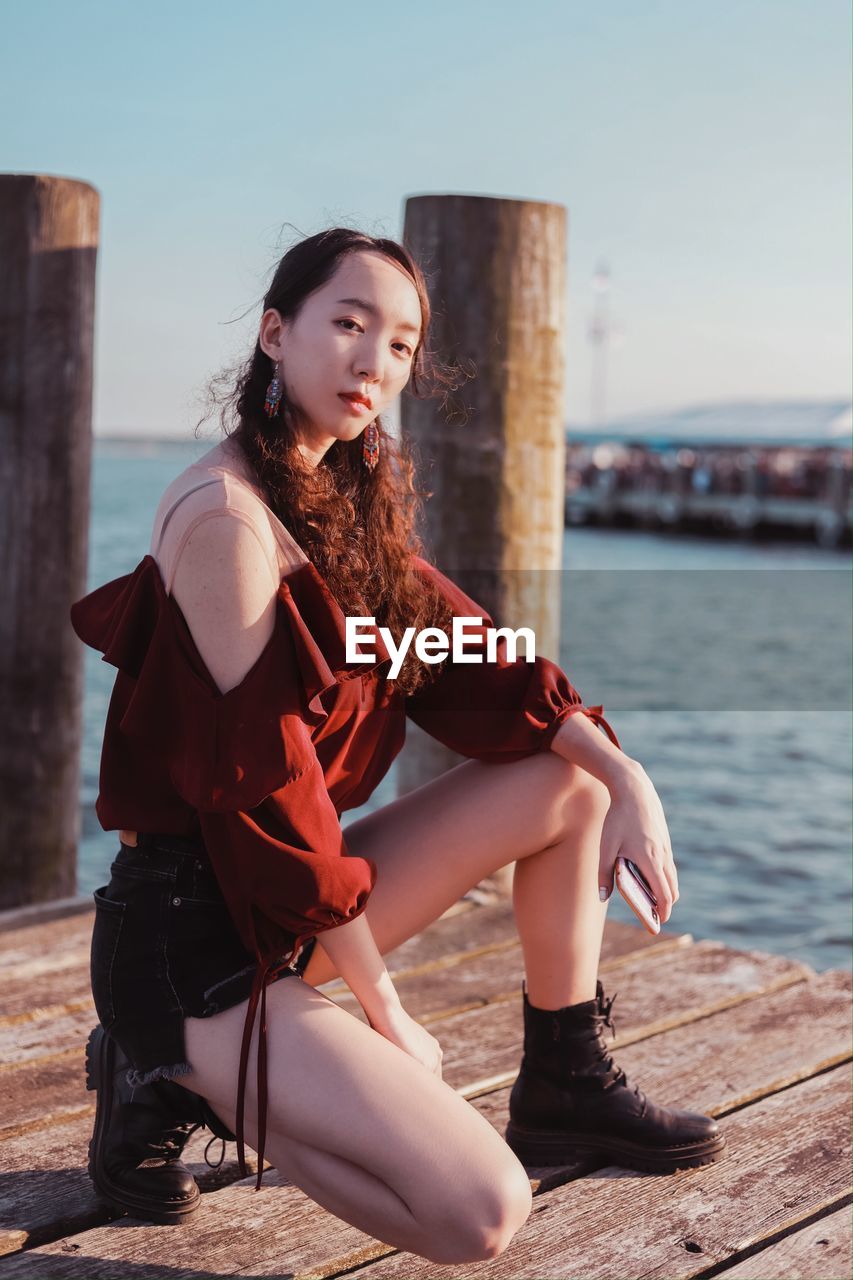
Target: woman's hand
635, 828
397, 1026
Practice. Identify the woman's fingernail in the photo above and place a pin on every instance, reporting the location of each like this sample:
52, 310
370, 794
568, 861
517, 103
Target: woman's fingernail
602, 893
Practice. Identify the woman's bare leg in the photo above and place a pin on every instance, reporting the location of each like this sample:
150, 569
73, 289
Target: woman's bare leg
366, 1130
436, 842
558, 913
362, 1127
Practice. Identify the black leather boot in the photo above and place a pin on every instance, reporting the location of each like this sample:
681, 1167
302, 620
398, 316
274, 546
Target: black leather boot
139, 1136
571, 1101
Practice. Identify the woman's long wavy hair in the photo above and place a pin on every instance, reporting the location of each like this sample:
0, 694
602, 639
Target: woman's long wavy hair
357, 527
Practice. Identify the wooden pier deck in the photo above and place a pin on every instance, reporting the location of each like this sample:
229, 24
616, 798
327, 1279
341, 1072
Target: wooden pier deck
759, 1041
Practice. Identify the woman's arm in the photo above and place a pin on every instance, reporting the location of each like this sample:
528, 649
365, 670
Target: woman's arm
635, 826
353, 951
579, 741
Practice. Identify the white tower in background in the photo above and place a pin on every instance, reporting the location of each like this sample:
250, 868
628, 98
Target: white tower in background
599, 333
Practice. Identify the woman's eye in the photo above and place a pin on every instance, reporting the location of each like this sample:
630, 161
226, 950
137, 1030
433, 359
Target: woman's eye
406, 350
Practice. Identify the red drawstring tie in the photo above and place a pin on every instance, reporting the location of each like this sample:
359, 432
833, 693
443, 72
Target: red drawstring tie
267, 970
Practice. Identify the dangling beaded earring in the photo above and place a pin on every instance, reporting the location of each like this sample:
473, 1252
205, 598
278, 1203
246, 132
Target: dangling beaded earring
273, 395
370, 446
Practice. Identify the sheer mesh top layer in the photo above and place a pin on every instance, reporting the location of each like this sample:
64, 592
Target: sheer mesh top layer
219, 483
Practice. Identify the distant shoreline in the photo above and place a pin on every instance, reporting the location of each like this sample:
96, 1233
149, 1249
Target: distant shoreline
149, 439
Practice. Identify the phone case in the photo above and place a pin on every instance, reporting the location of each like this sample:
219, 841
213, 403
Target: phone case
631, 884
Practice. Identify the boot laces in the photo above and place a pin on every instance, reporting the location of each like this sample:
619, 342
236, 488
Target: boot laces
221, 1159
170, 1145
172, 1141
620, 1078
606, 1006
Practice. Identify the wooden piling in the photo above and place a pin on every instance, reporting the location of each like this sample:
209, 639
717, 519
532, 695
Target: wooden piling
48, 250
496, 272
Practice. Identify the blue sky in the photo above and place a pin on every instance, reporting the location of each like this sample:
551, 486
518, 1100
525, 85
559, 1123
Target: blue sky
703, 150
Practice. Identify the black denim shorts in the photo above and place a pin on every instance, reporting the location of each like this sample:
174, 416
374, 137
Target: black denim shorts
164, 947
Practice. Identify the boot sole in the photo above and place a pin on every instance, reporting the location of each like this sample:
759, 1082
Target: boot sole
98, 1068
541, 1148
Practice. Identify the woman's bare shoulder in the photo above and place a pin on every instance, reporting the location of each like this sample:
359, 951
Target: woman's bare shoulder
226, 589
196, 496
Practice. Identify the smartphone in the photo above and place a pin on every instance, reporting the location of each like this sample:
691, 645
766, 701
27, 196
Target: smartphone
636, 891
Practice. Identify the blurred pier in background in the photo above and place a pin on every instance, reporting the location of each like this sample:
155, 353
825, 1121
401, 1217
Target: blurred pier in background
739, 470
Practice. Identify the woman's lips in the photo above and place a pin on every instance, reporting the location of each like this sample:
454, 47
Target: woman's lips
355, 406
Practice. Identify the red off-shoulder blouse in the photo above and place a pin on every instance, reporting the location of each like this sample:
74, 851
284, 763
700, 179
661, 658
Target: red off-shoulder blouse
264, 771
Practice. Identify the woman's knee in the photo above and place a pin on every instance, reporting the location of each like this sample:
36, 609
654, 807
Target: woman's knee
507, 1209
484, 1216
576, 799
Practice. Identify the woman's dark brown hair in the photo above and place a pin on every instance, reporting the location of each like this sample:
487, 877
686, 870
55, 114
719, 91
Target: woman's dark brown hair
357, 527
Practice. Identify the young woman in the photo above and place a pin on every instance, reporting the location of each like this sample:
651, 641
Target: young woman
237, 736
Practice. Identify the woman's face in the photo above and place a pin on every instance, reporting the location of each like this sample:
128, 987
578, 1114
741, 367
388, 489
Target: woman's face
337, 344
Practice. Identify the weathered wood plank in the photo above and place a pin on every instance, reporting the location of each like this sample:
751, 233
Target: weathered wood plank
43, 912
30, 939
39, 942
655, 990
471, 955
464, 981
46, 1190
677, 1068
674, 985
39, 1094
44, 1039
42, 978
788, 1156
463, 927
821, 1251
493, 928
67, 992
276, 1228
486, 979
469, 978
482, 1045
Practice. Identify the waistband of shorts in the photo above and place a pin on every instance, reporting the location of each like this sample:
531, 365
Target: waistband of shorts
191, 846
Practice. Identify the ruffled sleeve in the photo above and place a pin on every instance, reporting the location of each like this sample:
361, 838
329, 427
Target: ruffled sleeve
494, 711
244, 759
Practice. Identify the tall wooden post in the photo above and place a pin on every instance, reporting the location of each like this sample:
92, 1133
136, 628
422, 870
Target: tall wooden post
48, 250
496, 271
